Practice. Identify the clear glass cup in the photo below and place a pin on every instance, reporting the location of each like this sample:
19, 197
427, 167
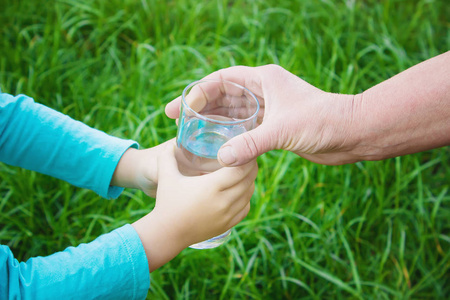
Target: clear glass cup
212, 112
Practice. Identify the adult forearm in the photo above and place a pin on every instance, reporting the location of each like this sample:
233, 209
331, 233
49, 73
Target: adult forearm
405, 114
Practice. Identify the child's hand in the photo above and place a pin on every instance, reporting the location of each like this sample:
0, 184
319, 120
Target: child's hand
203, 206
192, 209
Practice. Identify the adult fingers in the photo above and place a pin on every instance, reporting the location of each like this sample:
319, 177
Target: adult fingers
248, 77
173, 108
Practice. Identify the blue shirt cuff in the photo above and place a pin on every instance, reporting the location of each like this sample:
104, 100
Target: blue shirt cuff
117, 150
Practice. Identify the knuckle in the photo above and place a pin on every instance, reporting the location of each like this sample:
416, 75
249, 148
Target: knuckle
239, 173
244, 213
224, 205
247, 210
252, 187
250, 192
250, 144
249, 182
254, 173
273, 66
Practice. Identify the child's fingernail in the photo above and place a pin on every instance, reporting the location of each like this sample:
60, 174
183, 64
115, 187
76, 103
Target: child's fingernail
227, 155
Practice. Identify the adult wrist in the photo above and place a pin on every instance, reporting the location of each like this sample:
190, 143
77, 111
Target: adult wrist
346, 116
365, 130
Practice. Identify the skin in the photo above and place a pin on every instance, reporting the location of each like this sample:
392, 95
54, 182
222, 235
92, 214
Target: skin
405, 114
186, 214
138, 169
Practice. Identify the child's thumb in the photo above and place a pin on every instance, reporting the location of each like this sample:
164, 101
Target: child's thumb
167, 162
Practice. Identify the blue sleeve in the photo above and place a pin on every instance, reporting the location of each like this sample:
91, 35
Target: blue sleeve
114, 266
35, 137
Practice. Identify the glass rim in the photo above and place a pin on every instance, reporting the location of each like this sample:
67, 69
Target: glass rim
200, 116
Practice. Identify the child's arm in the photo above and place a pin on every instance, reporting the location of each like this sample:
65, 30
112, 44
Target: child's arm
38, 138
113, 266
117, 265
137, 169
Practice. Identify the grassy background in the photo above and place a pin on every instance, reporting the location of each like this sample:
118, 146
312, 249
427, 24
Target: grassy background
368, 230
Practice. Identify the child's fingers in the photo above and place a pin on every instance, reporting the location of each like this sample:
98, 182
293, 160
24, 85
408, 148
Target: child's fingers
244, 182
167, 163
240, 193
240, 197
229, 176
239, 216
249, 177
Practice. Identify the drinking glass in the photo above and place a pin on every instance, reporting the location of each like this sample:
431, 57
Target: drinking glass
212, 112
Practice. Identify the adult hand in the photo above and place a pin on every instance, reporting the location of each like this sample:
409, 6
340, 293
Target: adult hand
407, 113
295, 116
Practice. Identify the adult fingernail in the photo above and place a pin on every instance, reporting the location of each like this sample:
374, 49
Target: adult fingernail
227, 155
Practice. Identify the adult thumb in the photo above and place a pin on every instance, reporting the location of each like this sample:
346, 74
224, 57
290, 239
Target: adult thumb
247, 146
167, 163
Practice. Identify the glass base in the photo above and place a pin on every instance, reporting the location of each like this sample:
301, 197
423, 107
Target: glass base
213, 242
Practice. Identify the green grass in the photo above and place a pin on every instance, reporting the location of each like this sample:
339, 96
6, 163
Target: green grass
372, 230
